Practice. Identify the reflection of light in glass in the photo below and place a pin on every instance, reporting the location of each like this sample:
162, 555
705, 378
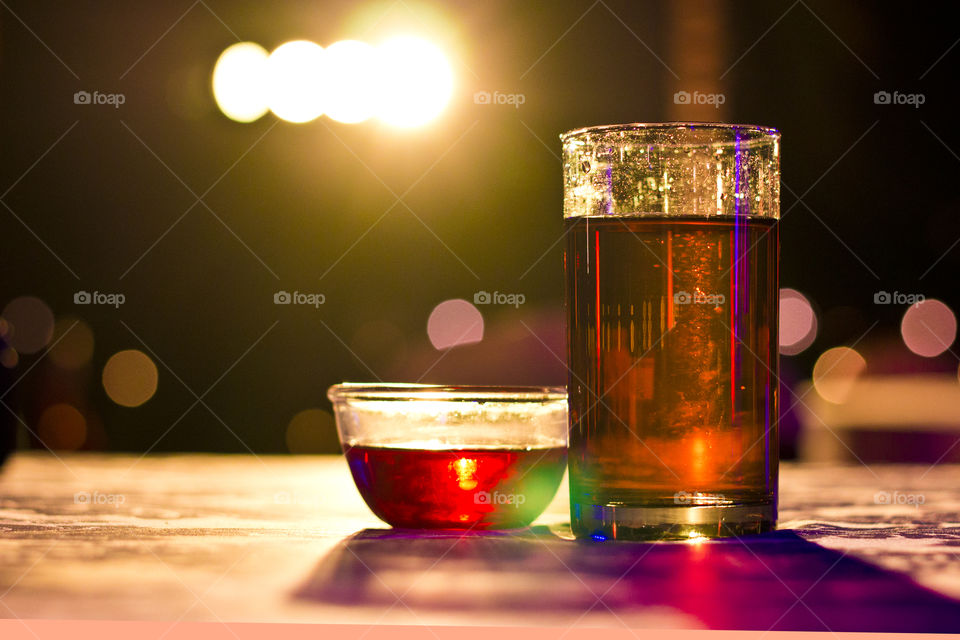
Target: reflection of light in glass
73, 346
454, 322
294, 71
62, 426
416, 81
466, 470
130, 378
700, 458
311, 431
798, 322
29, 324
928, 328
835, 373
350, 81
240, 81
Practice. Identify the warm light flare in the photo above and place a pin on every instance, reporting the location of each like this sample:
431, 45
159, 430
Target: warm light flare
239, 81
350, 81
417, 82
405, 82
294, 80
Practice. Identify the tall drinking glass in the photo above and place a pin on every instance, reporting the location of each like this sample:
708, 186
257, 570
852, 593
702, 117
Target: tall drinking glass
672, 298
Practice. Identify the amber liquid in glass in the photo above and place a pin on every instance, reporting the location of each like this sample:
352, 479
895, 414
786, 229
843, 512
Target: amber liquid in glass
672, 347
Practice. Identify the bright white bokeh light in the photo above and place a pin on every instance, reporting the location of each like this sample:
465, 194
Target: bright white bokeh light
350, 79
798, 322
295, 90
416, 81
928, 328
453, 323
240, 81
835, 373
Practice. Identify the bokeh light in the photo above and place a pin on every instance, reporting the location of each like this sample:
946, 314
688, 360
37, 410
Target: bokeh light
405, 82
294, 72
350, 81
9, 357
130, 378
240, 81
73, 343
416, 81
835, 373
62, 426
928, 328
798, 322
454, 322
29, 324
312, 431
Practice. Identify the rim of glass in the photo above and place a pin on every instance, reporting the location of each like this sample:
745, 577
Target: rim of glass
407, 391
642, 126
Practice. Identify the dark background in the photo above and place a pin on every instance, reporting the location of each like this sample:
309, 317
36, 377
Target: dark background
309, 207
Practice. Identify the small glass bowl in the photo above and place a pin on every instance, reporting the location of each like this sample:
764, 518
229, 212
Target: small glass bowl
453, 457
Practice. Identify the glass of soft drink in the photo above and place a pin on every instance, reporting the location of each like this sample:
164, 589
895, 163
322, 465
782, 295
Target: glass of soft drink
453, 457
672, 298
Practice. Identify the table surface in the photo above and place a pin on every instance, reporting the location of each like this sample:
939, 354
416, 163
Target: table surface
274, 539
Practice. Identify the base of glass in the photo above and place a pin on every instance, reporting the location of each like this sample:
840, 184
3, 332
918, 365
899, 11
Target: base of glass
683, 522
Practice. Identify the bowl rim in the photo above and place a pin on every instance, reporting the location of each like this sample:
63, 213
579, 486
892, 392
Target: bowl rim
414, 391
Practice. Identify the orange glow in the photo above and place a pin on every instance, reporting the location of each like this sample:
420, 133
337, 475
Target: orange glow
835, 373
130, 378
62, 426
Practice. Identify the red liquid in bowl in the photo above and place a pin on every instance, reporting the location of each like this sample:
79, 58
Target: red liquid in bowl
457, 488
